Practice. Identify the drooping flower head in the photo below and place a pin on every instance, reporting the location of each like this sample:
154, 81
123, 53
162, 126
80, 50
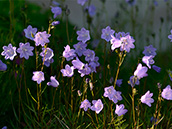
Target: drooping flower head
68, 53
38, 76
3, 66
80, 47
91, 10
97, 106
149, 50
106, 33
119, 82
81, 2
54, 23
56, 11
120, 110
30, 32
85, 105
148, 60
167, 93
53, 82
47, 52
41, 38
146, 98
68, 71
156, 68
140, 72
89, 55
83, 35
9, 52
77, 64
25, 50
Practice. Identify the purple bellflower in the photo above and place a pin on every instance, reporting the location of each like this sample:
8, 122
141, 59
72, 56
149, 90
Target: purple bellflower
77, 64
94, 64
156, 68
81, 2
134, 80
25, 50
149, 50
3, 66
120, 110
91, 10
167, 93
9, 52
106, 33
80, 47
41, 38
53, 82
68, 53
85, 71
140, 72
56, 11
89, 55
48, 62
97, 106
119, 82
148, 60
121, 34
30, 32
146, 98
68, 71
116, 43
127, 43
83, 35
47, 52
85, 104
38, 76
54, 23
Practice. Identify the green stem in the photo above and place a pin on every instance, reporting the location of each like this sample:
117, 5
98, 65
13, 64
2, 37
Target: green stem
134, 119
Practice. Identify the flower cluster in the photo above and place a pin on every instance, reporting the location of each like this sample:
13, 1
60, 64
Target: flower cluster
76, 53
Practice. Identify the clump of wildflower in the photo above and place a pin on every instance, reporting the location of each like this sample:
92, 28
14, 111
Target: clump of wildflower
68, 53
148, 60
3, 66
38, 76
81, 2
53, 82
85, 105
80, 47
97, 106
68, 71
146, 98
25, 50
9, 52
47, 53
83, 35
30, 32
106, 33
167, 93
156, 68
120, 110
149, 50
56, 11
41, 38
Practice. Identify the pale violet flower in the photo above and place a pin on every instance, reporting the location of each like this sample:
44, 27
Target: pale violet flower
53, 82
116, 43
148, 60
97, 106
68, 53
85, 71
81, 2
127, 43
170, 36
80, 47
89, 55
77, 64
91, 10
149, 50
25, 50
156, 68
146, 98
47, 53
41, 38
83, 35
167, 93
85, 105
30, 32
56, 11
48, 62
140, 72
38, 76
106, 33
68, 71
120, 110
9, 52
